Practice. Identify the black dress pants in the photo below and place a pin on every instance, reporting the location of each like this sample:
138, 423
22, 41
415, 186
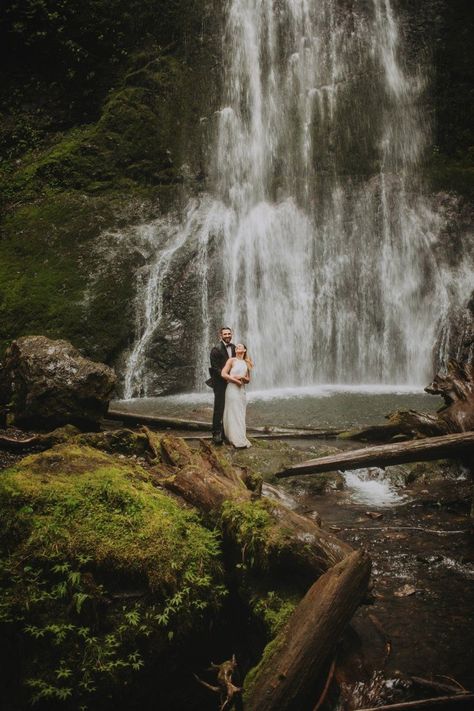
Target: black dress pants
219, 402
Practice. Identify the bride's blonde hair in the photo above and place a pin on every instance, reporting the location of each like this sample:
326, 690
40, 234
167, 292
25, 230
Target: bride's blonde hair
248, 360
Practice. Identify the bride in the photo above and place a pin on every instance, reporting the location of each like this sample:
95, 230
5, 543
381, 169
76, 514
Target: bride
237, 373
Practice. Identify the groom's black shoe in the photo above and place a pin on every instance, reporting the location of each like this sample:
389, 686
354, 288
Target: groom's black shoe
217, 439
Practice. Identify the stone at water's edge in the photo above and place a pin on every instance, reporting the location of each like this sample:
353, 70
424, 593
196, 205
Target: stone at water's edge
49, 383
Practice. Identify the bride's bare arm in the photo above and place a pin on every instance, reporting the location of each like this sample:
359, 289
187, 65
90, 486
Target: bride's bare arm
225, 373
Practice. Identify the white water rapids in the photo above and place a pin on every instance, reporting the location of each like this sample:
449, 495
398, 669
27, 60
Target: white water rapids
314, 242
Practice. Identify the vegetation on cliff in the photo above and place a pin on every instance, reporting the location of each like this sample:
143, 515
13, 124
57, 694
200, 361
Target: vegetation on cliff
100, 127
453, 159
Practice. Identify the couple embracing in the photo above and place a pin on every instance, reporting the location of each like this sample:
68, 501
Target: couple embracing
230, 372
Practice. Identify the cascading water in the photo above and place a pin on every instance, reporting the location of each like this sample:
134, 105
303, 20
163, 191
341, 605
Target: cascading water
315, 229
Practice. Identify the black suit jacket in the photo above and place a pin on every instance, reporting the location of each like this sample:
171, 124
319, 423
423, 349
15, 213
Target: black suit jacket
219, 358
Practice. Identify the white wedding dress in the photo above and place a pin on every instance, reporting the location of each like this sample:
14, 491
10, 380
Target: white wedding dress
235, 407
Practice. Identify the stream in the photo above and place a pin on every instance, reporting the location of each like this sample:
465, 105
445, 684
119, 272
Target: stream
423, 574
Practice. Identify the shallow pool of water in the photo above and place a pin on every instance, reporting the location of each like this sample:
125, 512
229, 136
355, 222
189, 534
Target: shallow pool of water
339, 406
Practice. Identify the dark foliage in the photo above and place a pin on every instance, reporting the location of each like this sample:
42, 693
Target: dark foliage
59, 58
454, 80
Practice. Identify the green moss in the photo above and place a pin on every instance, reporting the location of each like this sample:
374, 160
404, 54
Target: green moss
61, 274
272, 649
79, 529
52, 282
274, 609
85, 502
250, 523
138, 139
124, 441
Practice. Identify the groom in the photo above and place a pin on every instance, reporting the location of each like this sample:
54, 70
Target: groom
219, 356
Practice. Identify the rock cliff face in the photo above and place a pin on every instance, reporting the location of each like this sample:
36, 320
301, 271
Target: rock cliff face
95, 139
113, 131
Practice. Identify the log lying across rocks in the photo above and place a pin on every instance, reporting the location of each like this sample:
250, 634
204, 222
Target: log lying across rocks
454, 445
289, 676
157, 420
207, 481
284, 680
10, 444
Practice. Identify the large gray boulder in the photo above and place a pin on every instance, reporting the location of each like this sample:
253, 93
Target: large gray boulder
49, 383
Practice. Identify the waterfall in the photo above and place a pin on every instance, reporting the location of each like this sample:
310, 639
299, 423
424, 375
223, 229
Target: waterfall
315, 241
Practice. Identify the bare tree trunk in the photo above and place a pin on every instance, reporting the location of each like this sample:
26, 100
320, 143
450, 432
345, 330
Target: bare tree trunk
285, 678
454, 445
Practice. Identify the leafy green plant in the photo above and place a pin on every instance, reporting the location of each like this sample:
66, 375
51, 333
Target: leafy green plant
250, 522
98, 570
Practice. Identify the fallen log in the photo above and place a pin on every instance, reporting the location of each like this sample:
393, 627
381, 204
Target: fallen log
285, 678
446, 702
11, 444
430, 448
176, 423
455, 386
38, 442
279, 538
281, 434
157, 421
402, 424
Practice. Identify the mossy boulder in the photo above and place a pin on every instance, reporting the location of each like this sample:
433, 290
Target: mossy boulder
52, 384
100, 573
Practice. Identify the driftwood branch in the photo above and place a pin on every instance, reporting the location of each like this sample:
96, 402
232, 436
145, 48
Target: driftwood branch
214, 689
284, 680
430, 448
19, 445
324, 692
226, 688
437, 685
446, 702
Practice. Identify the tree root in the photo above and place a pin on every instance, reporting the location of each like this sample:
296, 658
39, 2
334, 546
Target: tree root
227, 690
